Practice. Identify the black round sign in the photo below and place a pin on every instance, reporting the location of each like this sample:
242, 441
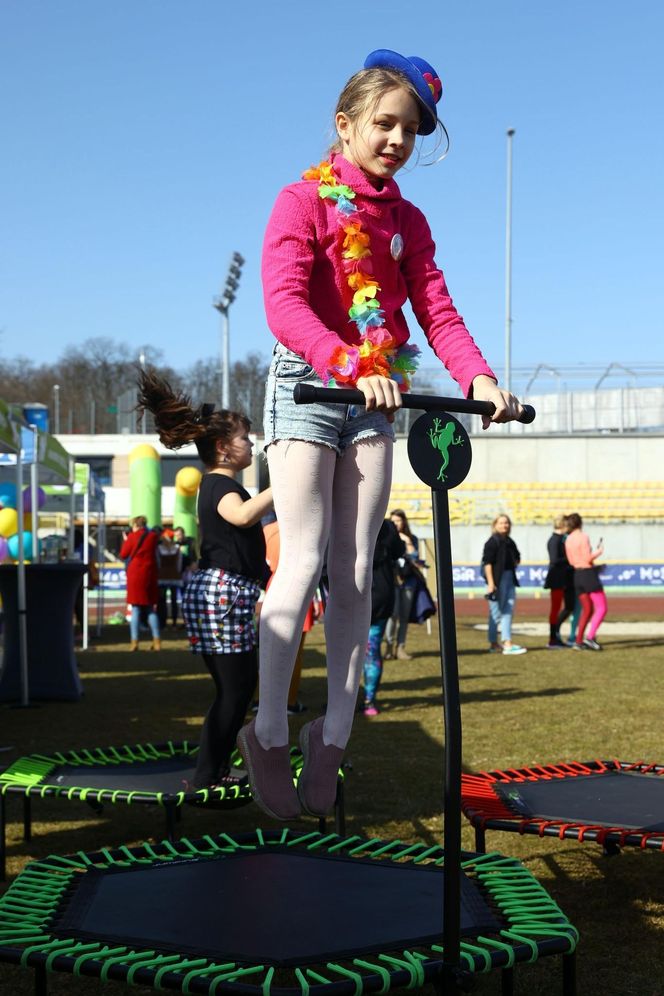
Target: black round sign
439, 450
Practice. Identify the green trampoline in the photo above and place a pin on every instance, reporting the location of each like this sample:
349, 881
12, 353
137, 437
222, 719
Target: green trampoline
152, 774
151, 915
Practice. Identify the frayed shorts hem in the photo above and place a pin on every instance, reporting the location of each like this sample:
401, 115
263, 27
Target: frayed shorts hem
334, 426
362, 437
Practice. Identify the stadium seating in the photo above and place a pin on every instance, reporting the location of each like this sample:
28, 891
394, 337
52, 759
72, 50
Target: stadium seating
536, 502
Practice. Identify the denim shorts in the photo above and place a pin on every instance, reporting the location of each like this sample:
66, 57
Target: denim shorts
336, 426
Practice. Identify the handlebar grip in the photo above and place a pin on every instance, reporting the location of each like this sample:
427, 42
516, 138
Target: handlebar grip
527, 415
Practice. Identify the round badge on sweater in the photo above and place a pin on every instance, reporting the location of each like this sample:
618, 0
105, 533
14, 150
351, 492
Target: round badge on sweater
396, 247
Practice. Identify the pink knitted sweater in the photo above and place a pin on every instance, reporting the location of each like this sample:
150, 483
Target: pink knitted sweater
306, 294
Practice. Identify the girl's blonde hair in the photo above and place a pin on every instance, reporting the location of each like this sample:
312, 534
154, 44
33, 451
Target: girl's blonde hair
363, 91
503, 515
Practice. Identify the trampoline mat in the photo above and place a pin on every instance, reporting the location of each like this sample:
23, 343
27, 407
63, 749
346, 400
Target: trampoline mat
160, 775
163, 775
624, 799
275, 906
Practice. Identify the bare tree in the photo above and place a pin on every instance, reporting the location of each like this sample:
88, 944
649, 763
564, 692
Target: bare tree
96, 382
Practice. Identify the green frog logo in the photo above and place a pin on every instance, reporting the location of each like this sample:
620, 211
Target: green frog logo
441, 438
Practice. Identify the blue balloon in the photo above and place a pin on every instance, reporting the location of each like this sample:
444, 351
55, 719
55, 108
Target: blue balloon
12, 546
7, 495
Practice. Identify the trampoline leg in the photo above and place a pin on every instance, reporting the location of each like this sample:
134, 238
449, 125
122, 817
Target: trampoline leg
452, 979
3, 839
170, 810
569, 974
480, 840
27, 817
507, 982
41, 981
340, 810
95, 805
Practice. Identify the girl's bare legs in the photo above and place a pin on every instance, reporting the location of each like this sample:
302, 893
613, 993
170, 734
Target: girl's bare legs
302, 476
361, 491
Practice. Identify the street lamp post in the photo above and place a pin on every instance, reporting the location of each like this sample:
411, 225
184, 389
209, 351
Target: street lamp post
222, 304
508, 266
56, 408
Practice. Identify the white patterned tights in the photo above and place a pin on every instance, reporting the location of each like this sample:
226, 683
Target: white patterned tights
319, 497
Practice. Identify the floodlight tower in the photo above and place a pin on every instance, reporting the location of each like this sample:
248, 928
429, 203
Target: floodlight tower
222, 304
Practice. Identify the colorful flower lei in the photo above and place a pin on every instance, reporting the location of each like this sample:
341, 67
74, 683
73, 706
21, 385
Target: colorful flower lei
377, 352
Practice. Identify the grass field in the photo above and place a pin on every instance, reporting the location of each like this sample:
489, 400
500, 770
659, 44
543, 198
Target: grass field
541, 707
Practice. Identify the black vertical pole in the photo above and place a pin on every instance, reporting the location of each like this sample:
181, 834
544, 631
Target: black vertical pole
452, 718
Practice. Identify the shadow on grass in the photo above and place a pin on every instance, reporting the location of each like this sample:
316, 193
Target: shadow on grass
631, 643
424, 684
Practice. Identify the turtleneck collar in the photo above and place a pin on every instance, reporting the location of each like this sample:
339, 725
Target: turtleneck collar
358, 181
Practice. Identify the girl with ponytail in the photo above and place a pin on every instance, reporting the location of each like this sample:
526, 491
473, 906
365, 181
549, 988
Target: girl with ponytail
220, 598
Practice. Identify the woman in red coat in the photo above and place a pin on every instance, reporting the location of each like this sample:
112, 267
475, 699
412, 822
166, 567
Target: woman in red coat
139, 550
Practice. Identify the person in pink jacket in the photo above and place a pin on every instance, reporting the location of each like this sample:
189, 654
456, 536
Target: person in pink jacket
587, 584
343, 253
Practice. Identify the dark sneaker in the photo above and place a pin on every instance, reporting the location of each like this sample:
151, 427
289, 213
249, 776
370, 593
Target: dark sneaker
297, 708
591, 644
270, 775
555, 645
317, 785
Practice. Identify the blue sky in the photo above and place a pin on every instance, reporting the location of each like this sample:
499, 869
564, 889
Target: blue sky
145, 140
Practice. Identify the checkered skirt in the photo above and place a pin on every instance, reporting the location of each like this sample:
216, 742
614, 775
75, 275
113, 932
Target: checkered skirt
219, 612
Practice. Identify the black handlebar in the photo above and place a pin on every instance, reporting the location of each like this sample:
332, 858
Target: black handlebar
307, 394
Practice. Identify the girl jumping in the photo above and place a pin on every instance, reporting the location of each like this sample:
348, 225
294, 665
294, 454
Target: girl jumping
343, 252
219, 600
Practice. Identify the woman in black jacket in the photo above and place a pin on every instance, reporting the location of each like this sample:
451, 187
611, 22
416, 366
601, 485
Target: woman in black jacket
560, 581
500, 560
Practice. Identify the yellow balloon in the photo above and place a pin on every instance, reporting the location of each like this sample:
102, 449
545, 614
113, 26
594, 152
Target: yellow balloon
8, 521
187, 481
